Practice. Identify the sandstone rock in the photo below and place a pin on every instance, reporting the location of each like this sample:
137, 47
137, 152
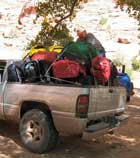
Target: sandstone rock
123, 40
8, 44
119, 25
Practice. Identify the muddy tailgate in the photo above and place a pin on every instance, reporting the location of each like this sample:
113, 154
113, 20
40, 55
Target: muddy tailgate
106, 100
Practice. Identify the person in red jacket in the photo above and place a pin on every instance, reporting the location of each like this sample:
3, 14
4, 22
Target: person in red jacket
90, 38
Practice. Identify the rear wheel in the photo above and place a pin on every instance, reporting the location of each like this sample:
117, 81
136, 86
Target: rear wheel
128, 98
37, 131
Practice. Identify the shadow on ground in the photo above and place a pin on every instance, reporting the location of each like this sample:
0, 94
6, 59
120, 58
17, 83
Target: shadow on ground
124, 143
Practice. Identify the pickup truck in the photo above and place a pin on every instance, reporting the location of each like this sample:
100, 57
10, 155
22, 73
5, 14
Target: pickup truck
45, 110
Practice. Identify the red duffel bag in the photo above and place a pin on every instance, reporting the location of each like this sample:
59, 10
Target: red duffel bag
67, 69
47, 56
100, 69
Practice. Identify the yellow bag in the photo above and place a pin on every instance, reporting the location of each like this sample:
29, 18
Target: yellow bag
57, 49
35, 50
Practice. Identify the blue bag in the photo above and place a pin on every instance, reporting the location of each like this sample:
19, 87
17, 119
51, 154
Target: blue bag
124, 81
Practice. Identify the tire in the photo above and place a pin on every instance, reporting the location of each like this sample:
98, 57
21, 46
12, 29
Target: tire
128, 98
37, 131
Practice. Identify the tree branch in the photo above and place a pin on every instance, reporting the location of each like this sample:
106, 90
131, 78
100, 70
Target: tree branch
71, 12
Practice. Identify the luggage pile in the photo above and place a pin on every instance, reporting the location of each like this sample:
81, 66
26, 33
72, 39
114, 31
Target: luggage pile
77, 63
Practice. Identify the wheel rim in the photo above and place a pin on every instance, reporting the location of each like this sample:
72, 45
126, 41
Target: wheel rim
32, 131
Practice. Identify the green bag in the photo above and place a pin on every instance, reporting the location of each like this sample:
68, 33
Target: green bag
80, 51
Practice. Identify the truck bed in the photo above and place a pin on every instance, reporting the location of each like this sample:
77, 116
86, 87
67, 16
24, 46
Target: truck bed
102, 100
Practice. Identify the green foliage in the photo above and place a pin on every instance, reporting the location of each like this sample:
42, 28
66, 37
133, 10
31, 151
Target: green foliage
56, 15
133, 7
135, 63
103, 21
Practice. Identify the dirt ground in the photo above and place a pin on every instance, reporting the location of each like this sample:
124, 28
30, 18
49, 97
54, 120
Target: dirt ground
124, 143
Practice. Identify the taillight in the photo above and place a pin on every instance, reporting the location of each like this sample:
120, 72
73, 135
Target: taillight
82, 106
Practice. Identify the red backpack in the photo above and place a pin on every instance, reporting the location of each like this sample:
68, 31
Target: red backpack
47, 56
67, 69
100, 69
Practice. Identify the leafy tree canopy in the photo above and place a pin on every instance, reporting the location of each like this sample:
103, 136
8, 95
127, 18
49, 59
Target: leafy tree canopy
133, 7
56, 14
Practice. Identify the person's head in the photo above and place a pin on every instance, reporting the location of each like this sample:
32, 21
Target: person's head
81, 34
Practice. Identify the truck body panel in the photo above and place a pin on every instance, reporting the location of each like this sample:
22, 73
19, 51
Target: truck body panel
106, 100
61, 100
